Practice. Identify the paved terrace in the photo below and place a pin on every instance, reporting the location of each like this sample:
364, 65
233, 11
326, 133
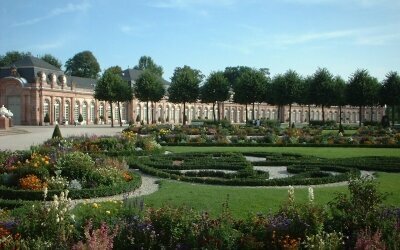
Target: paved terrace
22, 137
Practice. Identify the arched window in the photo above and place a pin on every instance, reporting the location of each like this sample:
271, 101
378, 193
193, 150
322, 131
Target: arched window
92, 112
57, 107
67, 110
84, 111
76, 111
101, 110
46, 106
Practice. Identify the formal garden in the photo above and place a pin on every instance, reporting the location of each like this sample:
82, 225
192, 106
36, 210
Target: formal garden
221, 186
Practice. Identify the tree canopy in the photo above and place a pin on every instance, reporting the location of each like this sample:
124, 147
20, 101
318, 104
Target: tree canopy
285, 89
249, 88
361, 90
11, 57
390, 92
322, 88
185, 86
83, 64
215, 89
112, 88
147, 63
52, 60
149, 87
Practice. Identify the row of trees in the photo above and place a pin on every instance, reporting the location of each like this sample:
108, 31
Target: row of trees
248, 86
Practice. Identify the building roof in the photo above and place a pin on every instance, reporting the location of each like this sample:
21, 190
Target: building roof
31, 61
133, 75
29, 67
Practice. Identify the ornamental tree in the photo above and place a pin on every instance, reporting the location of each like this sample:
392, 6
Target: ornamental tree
149, 87
361, 91
390, 92
215, 89
322, 88
184, 86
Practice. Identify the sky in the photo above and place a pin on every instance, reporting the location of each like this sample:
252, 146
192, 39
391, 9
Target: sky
209, 35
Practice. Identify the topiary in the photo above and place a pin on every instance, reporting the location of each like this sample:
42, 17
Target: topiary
46, 118
56, 132
80, 118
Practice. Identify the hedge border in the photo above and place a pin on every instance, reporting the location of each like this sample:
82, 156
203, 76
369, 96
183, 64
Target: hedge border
279, 145
295, 180
86, 193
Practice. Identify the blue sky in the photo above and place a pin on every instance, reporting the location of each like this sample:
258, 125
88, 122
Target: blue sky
342, 35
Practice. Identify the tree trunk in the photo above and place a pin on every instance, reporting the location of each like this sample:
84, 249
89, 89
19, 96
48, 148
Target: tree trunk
214, 117
147, 112
323, 114
184, 113
393, 112
119, 111
309, 113
290, 115
340, 115
359, 116
112, 115
253, 115
279, 113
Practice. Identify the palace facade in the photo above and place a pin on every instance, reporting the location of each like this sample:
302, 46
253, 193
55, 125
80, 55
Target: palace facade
32, 88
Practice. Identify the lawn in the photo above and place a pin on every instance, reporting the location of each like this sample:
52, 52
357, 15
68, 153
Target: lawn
245, 200
327, 152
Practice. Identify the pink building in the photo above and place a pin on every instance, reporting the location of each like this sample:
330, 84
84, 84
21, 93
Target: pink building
32, 88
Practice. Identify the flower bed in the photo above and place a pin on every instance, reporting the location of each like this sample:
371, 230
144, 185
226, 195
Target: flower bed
33, 176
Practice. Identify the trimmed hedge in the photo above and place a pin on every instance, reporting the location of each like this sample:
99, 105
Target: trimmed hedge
215, 144
307, 174
15, 194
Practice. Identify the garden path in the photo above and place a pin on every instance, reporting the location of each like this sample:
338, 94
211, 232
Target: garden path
149, 186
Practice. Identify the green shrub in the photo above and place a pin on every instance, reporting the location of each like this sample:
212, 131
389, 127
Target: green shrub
56, 132
46, 118
75, 165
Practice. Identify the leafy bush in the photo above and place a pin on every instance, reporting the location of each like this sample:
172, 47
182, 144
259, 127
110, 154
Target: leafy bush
75, 165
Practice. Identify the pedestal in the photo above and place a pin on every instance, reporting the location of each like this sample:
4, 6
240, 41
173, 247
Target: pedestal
4, 123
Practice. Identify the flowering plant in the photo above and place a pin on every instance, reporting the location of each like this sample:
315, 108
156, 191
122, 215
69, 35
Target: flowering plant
31, 182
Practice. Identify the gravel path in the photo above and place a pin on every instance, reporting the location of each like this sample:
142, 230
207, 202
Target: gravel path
149, 186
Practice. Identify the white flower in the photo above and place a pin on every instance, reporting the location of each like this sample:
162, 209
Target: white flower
310, 194
291, 194
45, 190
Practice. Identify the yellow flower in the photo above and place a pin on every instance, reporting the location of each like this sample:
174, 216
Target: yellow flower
108, 212
95, 205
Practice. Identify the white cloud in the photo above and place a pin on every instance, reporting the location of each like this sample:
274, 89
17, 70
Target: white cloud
56, 12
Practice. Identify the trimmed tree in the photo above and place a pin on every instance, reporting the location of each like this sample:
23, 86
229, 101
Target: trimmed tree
322, 89
390, 92
339, 95
215, 89
361, 90
284, 91
56, 132
149, 87
250, 88
184, 87
83, 64
107, 88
